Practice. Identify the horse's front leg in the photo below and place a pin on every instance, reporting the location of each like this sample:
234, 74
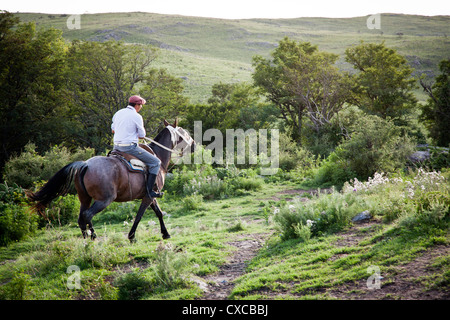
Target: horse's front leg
159, 214
144, 205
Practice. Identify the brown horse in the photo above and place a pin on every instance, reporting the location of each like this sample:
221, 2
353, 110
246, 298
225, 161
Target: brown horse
106, 179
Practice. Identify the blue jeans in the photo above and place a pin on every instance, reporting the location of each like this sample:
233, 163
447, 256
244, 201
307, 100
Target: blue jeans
152, 162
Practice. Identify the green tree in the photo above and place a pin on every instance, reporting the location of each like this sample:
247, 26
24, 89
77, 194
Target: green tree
383, 84
231, 106
102, 76
436, 113
301, 81
165, 99
32, 91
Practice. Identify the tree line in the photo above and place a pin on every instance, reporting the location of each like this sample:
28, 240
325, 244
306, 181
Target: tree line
57, 93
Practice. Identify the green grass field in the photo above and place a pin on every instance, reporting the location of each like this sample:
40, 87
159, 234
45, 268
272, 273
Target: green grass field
205, 51
410, 252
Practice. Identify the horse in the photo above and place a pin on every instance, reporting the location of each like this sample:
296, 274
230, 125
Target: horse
106, 179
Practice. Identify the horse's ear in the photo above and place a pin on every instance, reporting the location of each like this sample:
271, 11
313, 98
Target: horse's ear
176, 123
166, 123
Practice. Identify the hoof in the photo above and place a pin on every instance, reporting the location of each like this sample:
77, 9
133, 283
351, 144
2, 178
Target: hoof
166, 236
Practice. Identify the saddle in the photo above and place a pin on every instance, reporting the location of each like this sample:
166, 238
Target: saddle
133, 164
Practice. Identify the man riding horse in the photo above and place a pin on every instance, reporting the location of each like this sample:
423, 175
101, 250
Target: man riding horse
128, 127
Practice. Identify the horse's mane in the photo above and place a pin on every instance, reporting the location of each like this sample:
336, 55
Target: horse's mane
160, 135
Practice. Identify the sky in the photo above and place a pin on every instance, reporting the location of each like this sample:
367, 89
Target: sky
237, 9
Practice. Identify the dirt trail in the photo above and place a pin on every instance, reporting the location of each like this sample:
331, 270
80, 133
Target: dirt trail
219, 285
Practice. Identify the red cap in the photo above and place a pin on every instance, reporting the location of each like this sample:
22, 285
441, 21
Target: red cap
137, 100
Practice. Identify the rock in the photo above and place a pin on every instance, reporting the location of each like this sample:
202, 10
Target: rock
201, 284
419, 156
363, 216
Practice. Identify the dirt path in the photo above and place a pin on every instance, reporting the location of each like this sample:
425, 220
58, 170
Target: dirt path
219, 285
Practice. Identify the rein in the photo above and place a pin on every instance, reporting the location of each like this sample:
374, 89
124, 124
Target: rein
160, 145
173, 132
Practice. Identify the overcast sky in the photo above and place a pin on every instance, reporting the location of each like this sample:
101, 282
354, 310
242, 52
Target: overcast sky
237, 9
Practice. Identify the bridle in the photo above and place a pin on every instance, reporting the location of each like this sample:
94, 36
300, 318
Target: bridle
175, 134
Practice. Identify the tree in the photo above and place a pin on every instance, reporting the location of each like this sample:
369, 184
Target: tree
165, 100
301, 81
231, 106
436, 113
383, 83
32, 92
101, 77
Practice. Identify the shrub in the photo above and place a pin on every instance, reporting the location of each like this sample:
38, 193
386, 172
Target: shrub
170, 269
213, 183
63, 210
192, 202
292, 156
376, 145
29, 166
327, 213
16, 222
209, 186
118, 212
16, 219
332, 172
16, 289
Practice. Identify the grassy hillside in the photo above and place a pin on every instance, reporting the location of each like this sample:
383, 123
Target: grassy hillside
204, 51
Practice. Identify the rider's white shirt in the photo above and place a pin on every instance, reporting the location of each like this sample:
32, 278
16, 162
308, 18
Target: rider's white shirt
128, 126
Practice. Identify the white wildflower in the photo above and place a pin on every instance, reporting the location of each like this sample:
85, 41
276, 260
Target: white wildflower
310, 223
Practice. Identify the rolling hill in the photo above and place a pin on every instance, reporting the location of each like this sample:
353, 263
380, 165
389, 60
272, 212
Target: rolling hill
204, 51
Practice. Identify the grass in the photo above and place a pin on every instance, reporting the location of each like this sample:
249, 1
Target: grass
205, 51
113, 268
294, 269
285, 268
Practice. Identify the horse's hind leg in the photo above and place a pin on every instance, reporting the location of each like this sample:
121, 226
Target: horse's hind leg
96, 207
85, 202
159, 214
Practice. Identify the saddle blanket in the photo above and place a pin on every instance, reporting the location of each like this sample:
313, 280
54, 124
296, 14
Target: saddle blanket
132, 163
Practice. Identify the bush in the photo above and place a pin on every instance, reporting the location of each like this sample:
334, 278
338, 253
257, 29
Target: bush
376, 145
16, 219
213, 183
16, 222
30, 167
192, 202
418, 201
292, 156
332, 172
170, 269
63, 210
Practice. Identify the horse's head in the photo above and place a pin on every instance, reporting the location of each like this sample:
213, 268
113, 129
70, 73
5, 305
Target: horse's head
181, 139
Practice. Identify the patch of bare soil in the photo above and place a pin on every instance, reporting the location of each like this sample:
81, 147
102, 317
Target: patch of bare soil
219, 285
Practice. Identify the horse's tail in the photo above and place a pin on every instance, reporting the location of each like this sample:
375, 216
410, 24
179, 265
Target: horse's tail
58, 185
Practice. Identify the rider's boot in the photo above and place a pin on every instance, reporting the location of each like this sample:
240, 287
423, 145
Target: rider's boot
150, 183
